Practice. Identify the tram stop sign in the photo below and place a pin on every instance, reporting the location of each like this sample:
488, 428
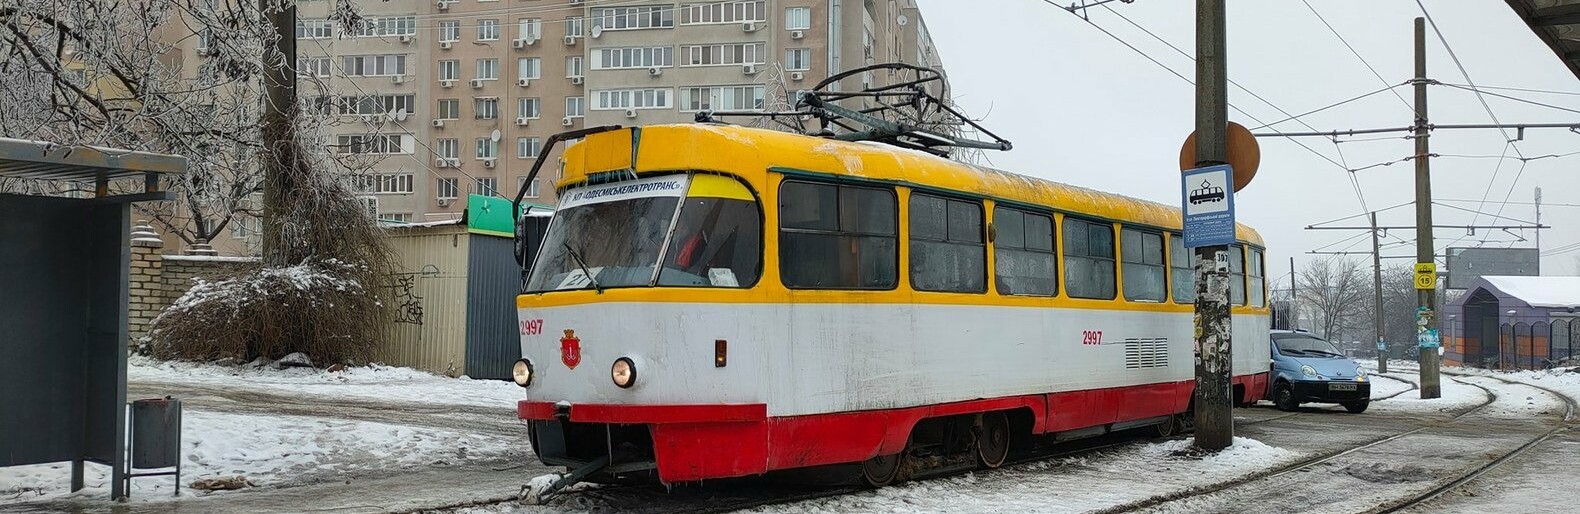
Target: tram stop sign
1208, 204
1425, 275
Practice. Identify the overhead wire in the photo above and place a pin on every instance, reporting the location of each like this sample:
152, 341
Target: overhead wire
1357, 54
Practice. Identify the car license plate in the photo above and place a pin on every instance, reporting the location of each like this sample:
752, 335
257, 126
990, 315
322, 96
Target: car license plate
1341, 386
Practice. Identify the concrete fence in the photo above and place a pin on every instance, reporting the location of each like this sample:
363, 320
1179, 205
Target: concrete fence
158, 279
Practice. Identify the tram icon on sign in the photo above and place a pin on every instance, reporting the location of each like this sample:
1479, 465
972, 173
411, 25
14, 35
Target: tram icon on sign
1207, 193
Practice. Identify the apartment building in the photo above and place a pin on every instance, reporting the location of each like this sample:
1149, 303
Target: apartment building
449, 97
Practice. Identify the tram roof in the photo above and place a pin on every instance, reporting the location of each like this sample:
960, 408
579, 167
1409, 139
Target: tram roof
738, 148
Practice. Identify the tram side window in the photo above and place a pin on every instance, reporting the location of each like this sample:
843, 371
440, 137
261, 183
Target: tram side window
1142, 253
1023, 259
1181, 260
1236, 275
1088, 259
837, 236
947, 253
1258, 287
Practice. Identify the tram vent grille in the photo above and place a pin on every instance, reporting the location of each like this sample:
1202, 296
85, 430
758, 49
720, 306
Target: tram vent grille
1147, 353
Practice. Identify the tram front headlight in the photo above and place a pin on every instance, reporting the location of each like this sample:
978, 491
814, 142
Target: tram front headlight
623, 372
521, 372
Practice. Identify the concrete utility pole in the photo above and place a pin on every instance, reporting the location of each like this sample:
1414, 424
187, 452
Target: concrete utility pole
1538, 231
1382, 348
279, 135
1426, 299
1214, 409
1294, 297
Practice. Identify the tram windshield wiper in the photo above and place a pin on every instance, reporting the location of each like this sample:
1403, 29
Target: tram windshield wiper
583, 265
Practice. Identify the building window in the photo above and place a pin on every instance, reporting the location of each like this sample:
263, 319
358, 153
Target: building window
530, 29
726, 54
393, 183
1236, 275
370, 205
449, 69
486, 108
486, 186
395, 217
947, 252
488, 30
373, 65
573, 67
636, 17
1181, 262
448, 148
574, 26
448, 189
1088, 259
1142, 254
376, 104
837, 236
528, 147
635, 57
321, 67
532, 190
798, 18
616, 99
371, 144
450, 31
314, 29
449, 109
575, 107
529, 68
1255, 279
529, 108
488, 69
723, 12
487, 148
732, 98
1023, 256
385, 26
798, 59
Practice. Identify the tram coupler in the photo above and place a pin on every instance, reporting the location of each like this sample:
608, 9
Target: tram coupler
540, 489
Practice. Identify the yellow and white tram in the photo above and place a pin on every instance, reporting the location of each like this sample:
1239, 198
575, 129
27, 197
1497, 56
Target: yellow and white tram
718, 301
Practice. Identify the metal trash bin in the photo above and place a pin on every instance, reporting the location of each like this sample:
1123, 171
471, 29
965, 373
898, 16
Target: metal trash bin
155, 438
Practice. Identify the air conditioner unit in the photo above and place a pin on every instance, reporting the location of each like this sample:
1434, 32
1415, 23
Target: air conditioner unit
749, 69
655, 71
406, 38
523, 82
750, 26
445, 202
438, 123
576, 80
519, 44
576, 2
397, 79
477, 83
630, 113
445, 45
488, 162
443, 4
570, 40
521, 121
797, 34
447, 83
566, 121
796, 75
447, 162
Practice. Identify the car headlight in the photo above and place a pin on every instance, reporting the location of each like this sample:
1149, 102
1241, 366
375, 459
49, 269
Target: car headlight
623, 372
1308, 371
522, 372
1360, 373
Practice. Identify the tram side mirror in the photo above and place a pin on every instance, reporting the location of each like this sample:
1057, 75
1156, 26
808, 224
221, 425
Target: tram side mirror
521, 241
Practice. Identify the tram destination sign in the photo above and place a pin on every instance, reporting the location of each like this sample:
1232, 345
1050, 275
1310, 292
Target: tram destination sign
1207, 200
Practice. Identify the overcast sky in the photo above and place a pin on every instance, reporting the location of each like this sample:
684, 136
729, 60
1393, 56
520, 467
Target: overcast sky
1082, 108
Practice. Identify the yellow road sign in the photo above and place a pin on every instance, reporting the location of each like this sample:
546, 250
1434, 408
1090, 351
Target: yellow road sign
1425, 275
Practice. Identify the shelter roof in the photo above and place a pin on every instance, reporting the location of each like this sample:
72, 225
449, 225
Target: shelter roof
20, 158
1557, 23
1537, 292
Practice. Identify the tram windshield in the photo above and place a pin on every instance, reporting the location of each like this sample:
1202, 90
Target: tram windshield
620, 235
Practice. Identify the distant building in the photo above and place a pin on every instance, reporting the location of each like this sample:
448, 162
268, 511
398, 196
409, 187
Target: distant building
1513, 323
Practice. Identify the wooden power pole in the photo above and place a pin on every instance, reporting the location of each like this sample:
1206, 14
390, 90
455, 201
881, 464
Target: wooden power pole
1214, 406
279, 134
1382, 347
1425, 253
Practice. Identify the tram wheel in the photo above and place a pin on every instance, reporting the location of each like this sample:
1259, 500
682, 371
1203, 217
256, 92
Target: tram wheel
881, 470
993, 442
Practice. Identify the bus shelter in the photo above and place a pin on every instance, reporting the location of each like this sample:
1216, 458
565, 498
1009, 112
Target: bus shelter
63, 299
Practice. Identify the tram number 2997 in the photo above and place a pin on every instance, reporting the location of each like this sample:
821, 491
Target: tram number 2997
1091, 337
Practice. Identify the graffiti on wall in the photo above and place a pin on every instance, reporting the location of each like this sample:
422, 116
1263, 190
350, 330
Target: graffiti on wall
408, 306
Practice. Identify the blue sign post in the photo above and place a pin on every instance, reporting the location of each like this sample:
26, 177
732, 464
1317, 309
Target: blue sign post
1207, 199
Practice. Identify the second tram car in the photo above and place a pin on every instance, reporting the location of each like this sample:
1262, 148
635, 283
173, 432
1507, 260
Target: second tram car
718, 301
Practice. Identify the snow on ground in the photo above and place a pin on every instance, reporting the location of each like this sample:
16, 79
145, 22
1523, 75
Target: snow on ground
376, 382
1455, 396
1075, 484
272, 450
1383, 385
1564, 380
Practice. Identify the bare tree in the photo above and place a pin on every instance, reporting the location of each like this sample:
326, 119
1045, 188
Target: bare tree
1335, 292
